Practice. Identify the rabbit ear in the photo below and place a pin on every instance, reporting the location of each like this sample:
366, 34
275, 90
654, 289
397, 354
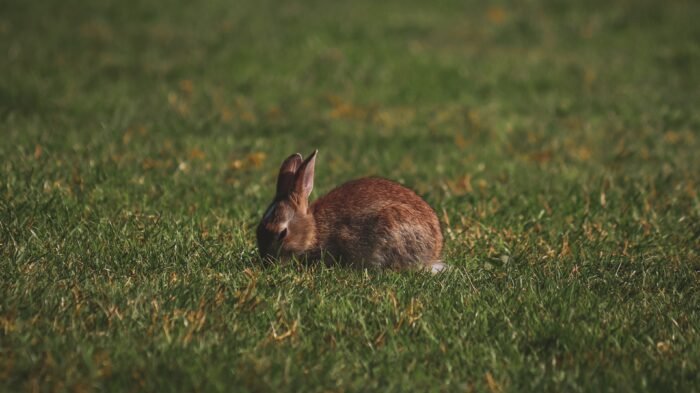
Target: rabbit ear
285, 179
304, 182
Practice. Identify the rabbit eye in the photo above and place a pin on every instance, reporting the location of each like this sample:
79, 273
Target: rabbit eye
282, 234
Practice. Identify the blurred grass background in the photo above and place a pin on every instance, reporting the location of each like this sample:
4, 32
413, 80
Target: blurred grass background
556, 140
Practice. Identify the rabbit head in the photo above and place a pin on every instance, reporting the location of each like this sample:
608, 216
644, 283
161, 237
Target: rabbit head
287, 227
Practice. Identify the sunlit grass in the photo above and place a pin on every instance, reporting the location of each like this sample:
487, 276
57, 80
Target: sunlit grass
557, 142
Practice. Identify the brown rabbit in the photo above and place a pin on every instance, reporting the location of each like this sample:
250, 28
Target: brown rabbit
369, 222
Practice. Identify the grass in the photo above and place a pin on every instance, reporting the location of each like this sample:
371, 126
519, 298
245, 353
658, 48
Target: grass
558, 142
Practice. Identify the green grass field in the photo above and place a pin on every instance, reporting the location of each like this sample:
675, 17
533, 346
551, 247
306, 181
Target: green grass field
559, 143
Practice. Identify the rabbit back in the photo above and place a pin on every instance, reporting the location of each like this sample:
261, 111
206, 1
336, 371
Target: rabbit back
379, 223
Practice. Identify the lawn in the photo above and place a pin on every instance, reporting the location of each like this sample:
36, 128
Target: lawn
558, 141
